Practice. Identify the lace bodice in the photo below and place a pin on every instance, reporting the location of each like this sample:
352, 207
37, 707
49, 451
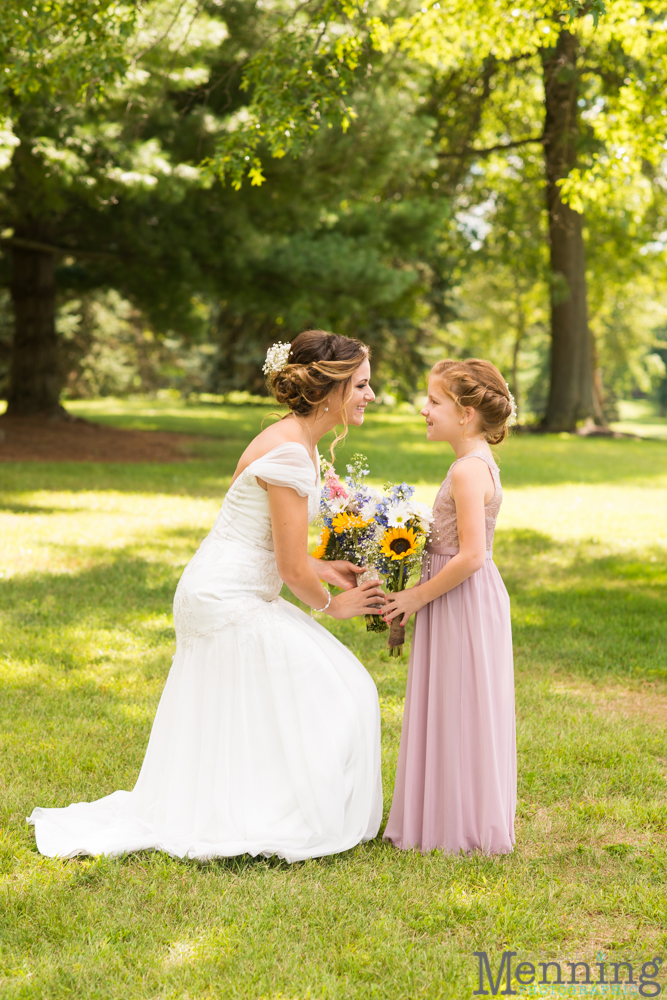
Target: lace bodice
233, 576
445, 528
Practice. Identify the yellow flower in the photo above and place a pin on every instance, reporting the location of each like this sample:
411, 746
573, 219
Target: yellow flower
325, 535
397, 543
344, 522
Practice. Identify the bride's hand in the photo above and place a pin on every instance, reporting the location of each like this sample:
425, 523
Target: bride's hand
340, 573
366, 599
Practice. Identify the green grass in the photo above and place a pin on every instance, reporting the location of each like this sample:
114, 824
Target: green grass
641, 417
90, 555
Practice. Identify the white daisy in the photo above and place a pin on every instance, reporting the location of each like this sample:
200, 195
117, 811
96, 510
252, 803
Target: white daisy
399, 514
368, 509
423, 512
337, 505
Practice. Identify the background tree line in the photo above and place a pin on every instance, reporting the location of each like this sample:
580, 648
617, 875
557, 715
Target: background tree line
462, 178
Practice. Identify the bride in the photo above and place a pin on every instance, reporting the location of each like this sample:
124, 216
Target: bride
267, 736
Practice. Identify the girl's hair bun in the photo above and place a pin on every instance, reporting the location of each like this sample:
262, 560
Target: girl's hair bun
479, 384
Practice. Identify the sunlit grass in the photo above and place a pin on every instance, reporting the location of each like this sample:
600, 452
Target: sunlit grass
90, 556
641, 417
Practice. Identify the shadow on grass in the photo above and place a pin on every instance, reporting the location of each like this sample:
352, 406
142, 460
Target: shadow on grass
94, 871
395, 445
574, 606
13, 507
87, 653
227, 422
195, 478
397, 449
120, 591
577, 607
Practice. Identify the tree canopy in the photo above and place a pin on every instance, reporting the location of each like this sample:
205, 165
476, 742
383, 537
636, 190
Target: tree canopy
447, 177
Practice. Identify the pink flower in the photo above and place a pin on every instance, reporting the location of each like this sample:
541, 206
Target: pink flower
333, 485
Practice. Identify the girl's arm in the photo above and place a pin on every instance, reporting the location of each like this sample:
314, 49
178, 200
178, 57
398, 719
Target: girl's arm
470, 485
289, 519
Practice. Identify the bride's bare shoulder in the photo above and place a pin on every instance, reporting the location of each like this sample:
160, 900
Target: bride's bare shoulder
282, 432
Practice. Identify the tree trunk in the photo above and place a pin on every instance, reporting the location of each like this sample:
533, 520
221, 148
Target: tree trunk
571, 396
34, 374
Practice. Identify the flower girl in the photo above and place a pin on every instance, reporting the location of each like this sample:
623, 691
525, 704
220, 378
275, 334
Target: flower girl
456, 779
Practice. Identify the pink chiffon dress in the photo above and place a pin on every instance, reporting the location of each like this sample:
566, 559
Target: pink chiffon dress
456, 780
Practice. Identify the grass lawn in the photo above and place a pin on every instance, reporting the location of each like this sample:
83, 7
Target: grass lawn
641, 417
89, 558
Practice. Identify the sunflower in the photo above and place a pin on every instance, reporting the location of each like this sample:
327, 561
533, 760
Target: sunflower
321, 548
344, 522
397, 543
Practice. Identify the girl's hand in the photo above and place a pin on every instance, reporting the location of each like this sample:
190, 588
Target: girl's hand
339, 573
405, 603
366, 599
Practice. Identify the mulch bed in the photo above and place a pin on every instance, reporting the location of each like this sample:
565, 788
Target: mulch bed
33, 439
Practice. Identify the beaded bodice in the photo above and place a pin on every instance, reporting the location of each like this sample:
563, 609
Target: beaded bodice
445, 528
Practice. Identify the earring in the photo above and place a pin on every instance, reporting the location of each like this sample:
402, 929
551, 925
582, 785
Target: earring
460, 421
326, 409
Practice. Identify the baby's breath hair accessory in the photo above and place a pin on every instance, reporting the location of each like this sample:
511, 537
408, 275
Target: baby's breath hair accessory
277, 357
511, 420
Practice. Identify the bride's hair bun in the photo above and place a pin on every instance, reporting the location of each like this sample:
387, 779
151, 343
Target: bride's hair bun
479, 384
317, 364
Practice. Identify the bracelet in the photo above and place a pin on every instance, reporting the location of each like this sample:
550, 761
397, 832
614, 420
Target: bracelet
326, 605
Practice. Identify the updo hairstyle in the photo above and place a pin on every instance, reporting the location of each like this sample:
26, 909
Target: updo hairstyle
479, 384
318, 363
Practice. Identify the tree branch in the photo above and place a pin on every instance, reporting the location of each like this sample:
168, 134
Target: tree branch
512, 60
609, 76
22, 244
471, 151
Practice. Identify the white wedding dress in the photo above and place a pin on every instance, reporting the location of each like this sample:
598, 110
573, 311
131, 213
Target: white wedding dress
267, 736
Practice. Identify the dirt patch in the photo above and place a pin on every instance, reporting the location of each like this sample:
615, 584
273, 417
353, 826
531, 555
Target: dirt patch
649, 703
31, 439
647, 700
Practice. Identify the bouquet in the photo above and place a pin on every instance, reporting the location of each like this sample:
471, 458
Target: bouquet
387, 532
402, 529
347, 516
